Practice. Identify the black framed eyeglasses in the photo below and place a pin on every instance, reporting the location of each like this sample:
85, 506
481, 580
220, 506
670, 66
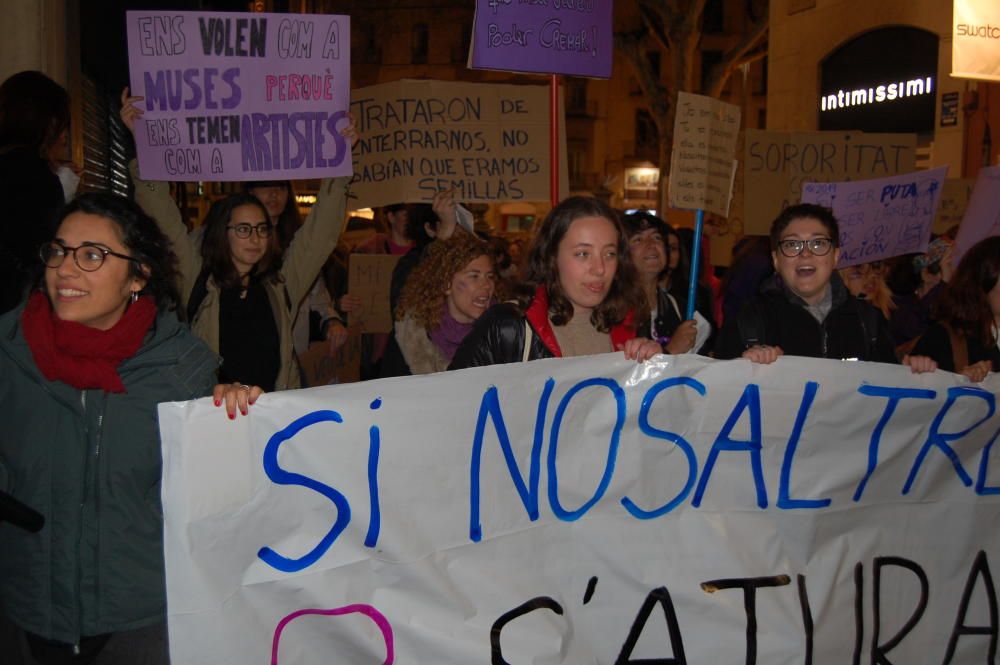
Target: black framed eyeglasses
263, 229
88, 256
817, 246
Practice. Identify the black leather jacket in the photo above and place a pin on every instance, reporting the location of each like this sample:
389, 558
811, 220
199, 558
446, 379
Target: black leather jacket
497, 338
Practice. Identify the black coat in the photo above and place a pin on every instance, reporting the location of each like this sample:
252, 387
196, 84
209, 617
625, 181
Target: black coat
936, 343
780, 318
498, 338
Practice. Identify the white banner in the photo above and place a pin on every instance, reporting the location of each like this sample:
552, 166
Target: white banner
975, 49
590, 511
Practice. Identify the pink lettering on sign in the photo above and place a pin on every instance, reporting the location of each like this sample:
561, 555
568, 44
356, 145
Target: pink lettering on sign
380, 621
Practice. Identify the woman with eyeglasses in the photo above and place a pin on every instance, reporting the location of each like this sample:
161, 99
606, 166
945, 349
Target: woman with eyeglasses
85, 361
805, 309
240, 293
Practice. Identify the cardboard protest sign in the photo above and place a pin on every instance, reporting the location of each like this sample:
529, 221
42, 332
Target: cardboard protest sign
369, 277
234, 96
321, 367
954, 200
489, 142
702, 166
573, 37
776, 164
589, 510
982, 216
881, 218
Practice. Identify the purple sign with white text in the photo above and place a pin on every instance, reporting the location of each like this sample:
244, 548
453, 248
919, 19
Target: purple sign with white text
240, 96
544, 36
881, 218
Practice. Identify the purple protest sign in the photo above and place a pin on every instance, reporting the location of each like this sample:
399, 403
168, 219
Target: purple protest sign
240, 96
881, 218
544, 36
982, 215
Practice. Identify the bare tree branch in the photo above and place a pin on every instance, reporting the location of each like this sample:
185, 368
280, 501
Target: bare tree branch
738, 55
654, 23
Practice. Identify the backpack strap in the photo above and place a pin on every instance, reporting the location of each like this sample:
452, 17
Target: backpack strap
198, 293
869, 327
751, 327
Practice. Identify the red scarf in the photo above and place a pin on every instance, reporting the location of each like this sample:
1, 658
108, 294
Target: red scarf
79, 355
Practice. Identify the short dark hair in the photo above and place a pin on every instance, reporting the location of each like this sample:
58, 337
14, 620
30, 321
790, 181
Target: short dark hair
34, 111
639, 221
542, 268
154, 262
216, 254
821, 214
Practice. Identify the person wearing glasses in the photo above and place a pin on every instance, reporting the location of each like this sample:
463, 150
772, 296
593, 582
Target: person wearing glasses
240, 293
805, 309
85, 360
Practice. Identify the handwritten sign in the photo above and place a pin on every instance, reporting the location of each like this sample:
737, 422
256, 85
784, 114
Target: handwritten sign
589, 510
954, 201
321, 367
489, 142
982, 216
565, 37
233, 96
369, 277
702, 167
881, 218
776, 164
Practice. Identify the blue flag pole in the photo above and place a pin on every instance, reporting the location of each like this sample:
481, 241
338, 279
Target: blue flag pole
699, 221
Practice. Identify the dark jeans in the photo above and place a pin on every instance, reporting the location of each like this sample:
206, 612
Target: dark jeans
143, 646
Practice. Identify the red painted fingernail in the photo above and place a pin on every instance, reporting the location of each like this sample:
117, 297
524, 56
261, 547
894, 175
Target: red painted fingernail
243, 411
232, 416
218, 402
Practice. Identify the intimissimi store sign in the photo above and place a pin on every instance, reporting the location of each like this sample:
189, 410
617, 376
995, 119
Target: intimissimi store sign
883, 81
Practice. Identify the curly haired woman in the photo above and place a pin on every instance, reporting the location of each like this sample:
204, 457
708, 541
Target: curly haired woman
443, 297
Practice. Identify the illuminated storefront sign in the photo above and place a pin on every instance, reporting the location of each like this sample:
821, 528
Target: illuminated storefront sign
883, 92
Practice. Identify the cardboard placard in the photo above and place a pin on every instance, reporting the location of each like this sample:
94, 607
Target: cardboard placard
982, 216
488, 142
776, 164
240, 96
574, 38
702, 166
954, 201
881, 218
320, 367
369, 277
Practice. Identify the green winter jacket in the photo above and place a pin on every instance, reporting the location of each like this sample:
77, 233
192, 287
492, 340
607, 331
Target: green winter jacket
89, 462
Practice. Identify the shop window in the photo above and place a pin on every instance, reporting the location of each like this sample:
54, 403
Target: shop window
882, 81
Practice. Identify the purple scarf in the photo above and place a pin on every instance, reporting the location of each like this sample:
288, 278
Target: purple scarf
449, 334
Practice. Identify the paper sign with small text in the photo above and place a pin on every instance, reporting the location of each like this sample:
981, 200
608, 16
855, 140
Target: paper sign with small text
702, 165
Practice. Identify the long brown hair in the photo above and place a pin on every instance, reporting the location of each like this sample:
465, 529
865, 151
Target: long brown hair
964, 305
217, 258
542, 268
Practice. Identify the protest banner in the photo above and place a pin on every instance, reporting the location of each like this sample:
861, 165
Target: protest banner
776, 164
975, 46
574, 37
590, 510
489, 142
702, 165
954, 200
982, 216
369, 277
234, 96
881, 218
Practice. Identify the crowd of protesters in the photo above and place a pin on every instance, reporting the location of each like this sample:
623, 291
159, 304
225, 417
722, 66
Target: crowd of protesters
113, 306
